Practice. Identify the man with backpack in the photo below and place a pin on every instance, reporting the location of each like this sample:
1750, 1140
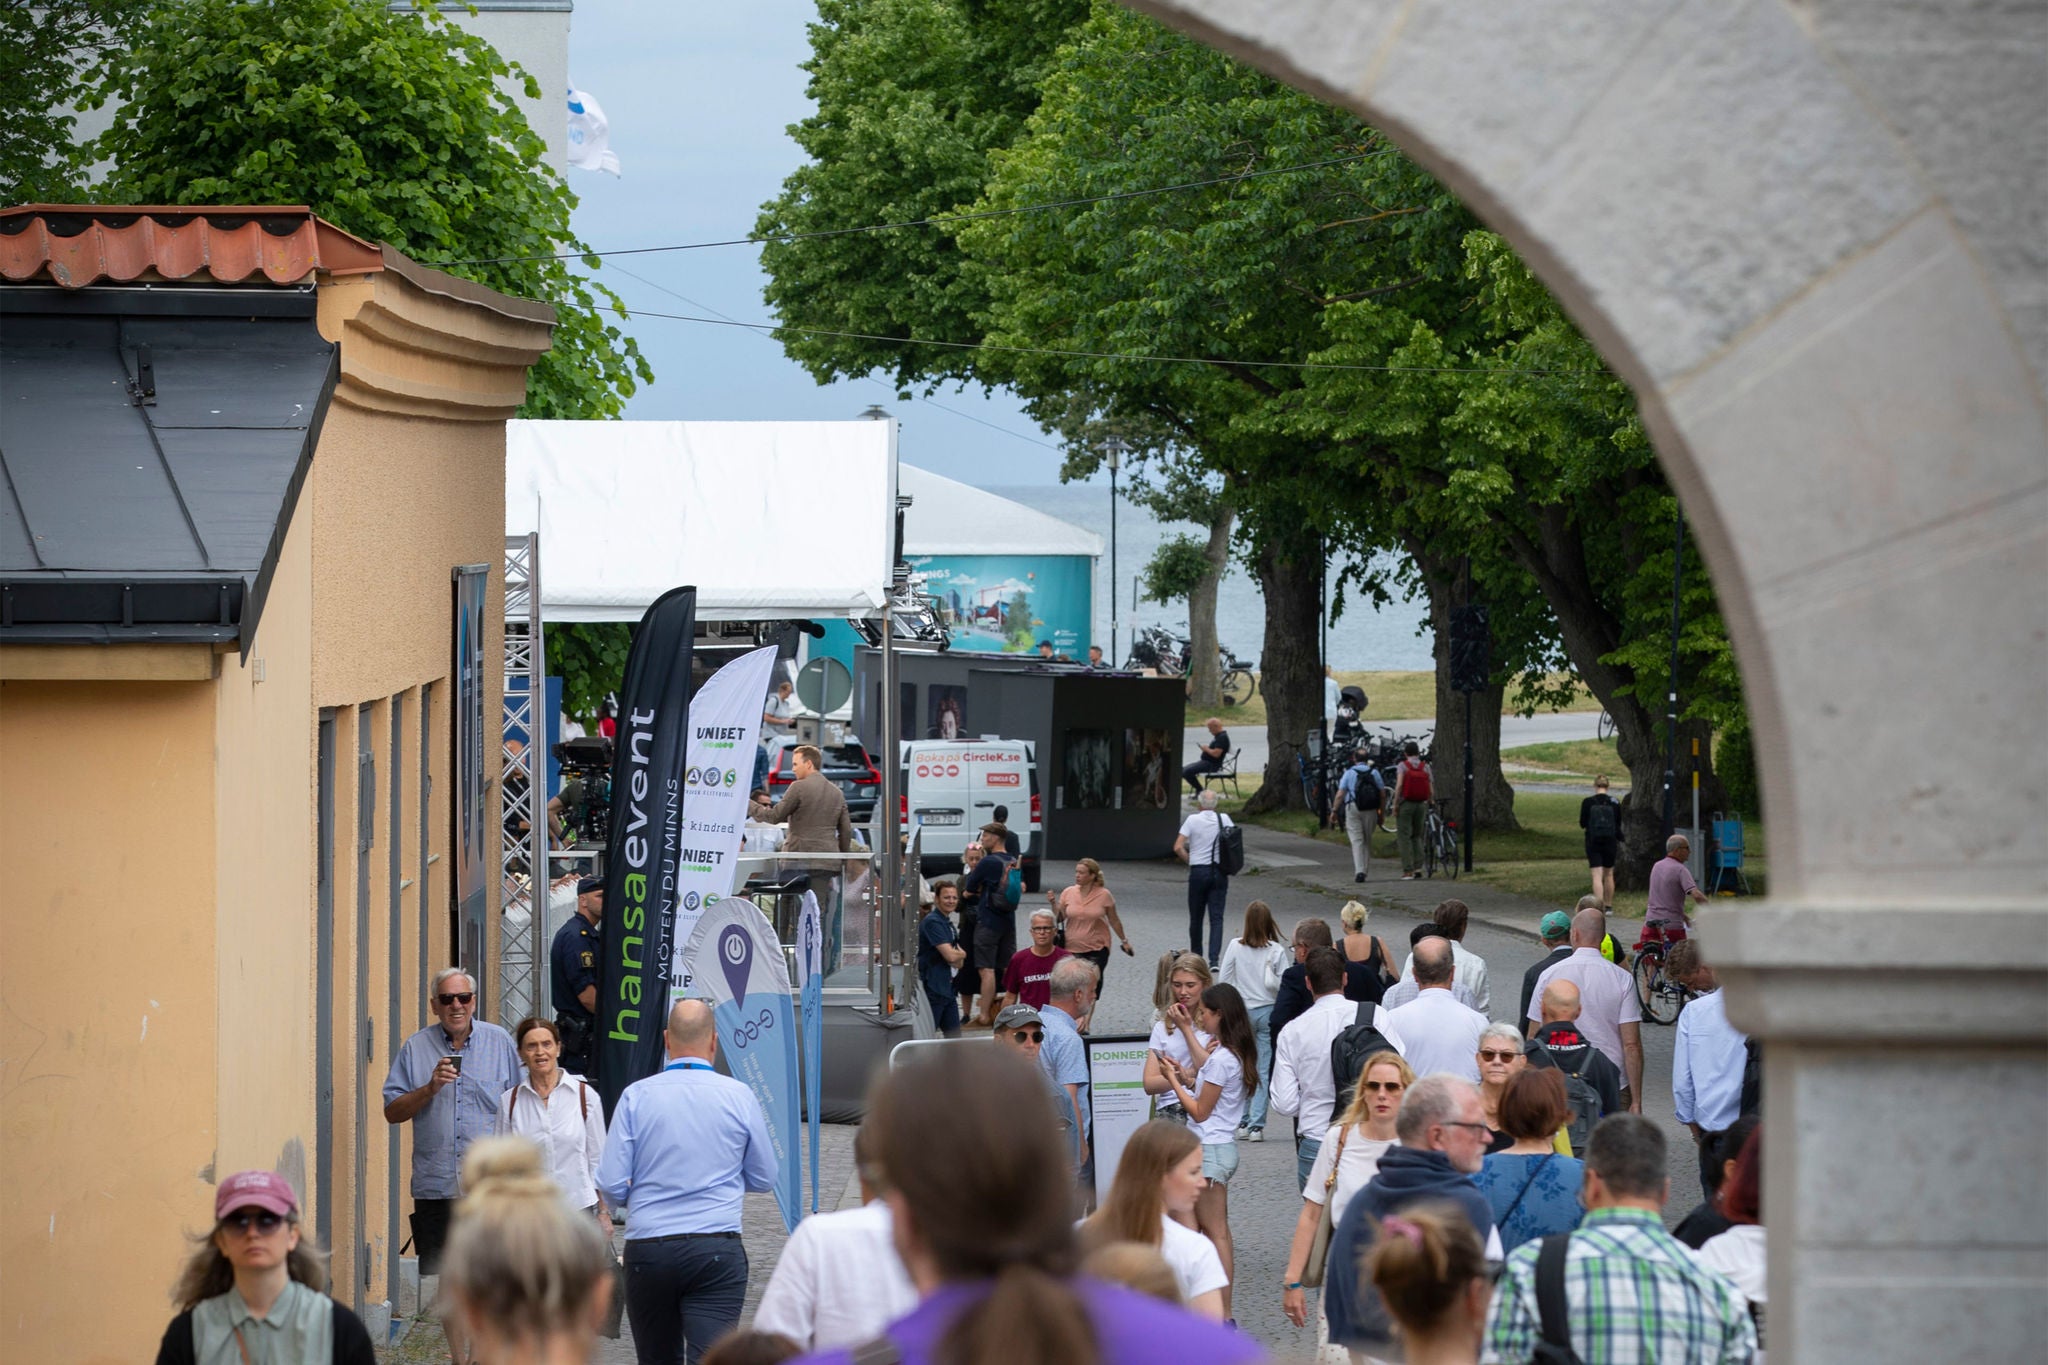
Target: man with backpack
1600, 817
1413, 791
1303, 1082
1359, 794
1620, 1288
996, 886
1213, 848
1591, 1082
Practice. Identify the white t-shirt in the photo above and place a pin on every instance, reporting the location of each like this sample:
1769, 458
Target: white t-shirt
1254, 971
1607, 998
1168, 1040
1200, 830
838, 1282
1737, 1256
1224, 1071
1361, 1163
1193, 1258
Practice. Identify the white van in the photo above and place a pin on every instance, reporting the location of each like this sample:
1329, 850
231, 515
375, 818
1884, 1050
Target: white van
951, 788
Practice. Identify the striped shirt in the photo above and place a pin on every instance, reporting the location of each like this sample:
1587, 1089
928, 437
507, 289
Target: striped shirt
1637, 1297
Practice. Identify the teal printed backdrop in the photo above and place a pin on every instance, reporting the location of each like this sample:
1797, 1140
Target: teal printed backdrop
1008, 603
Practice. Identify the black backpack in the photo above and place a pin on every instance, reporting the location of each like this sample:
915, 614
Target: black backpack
1553, 1305
1585, 1101
1601, 821
1366, 794
1348, 1053
1229, 853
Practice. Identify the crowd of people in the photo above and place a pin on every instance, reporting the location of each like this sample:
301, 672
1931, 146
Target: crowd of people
1460, 1179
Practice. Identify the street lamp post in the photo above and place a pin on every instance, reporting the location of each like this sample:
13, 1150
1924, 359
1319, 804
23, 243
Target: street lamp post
1115, 448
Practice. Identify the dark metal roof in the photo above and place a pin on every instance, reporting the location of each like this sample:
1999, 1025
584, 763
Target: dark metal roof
153, 441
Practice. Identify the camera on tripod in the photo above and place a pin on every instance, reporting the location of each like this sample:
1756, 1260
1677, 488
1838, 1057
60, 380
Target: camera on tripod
588, 763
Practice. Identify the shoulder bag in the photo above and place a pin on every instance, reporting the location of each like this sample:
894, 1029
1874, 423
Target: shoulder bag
1554, 1339
1229, 854
1319, 1248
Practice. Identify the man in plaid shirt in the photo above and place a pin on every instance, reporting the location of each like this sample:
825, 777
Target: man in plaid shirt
1635, 1294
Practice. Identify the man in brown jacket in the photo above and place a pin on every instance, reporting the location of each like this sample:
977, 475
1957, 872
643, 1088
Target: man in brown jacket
815, 812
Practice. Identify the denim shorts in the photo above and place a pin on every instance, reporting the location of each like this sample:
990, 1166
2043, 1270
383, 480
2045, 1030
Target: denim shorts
1219, 1161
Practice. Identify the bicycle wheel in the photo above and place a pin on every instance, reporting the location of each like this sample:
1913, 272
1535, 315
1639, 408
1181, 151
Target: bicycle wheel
1236, 687
1451, 860
1603, 728
1429, 850
1657, 995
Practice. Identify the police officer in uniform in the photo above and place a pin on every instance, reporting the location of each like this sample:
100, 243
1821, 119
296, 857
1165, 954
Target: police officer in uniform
573, 966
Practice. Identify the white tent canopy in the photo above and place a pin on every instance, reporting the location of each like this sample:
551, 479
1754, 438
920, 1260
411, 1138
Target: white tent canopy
951, 518
767, 519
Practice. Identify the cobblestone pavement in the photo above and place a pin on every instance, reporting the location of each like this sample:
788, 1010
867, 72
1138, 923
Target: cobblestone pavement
1296, 877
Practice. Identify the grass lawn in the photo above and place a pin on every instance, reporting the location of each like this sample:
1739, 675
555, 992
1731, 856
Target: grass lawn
1544, 860
1392, 696
1576, 762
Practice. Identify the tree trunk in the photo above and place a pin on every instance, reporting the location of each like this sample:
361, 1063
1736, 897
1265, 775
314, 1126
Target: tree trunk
1493, 799
1205, 680
1290, 670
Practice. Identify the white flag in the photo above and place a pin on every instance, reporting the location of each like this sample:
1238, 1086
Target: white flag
589, 135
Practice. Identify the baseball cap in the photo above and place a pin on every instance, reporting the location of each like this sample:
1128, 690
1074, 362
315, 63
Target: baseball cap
255, 1189
588, 885
1015, 1015
1556, 924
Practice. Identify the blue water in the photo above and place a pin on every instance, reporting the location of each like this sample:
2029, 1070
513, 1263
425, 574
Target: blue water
1365, 638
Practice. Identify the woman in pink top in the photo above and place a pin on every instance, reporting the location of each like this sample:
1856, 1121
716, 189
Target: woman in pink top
1087, 912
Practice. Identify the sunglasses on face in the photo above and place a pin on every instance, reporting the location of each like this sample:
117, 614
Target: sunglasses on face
1030, 1034
1387, 1087
455, 999
1489, 1055
263, 1220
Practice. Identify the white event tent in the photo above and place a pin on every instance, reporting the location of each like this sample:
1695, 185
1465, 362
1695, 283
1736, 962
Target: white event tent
769, 520
947, 517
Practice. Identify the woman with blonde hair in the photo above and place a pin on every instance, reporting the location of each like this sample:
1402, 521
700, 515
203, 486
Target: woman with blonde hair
1158, 1179
1367, 969
1349, 1158
256, 1290
1087, 912
526, 1278
1176, 1037
1253, 962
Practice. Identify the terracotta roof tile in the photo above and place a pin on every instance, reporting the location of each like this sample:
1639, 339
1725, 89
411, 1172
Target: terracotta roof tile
74, 245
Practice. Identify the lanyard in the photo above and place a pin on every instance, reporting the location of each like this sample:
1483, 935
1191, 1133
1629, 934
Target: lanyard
689, 1064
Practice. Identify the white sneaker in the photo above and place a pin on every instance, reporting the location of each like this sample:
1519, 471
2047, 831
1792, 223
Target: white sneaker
1244, 1134
1255, 1135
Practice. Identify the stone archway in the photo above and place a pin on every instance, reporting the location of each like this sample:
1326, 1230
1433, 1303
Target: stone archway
1814, 237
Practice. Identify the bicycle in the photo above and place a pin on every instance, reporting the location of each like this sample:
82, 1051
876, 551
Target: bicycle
1439, 843
1662, 998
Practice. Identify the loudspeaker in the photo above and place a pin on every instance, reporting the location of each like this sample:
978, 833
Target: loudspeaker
1471, 654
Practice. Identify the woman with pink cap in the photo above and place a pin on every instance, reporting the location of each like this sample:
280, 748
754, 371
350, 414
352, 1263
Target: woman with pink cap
255, 1291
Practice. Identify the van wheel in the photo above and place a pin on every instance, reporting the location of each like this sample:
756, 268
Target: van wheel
1031, 877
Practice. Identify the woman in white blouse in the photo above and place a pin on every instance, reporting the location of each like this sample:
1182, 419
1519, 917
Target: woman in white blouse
560, 1114
1252, 962
1349, 1158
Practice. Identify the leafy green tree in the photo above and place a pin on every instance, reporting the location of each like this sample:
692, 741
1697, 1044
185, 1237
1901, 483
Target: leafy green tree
590, 659
46, 49
390, 125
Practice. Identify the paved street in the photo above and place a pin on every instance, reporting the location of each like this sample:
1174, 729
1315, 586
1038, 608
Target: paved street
1297, 878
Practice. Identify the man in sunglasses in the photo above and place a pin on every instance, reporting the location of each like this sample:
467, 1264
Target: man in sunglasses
446, 1081
1023, 1028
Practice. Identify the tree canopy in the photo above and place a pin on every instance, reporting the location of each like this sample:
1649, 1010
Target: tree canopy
392, 126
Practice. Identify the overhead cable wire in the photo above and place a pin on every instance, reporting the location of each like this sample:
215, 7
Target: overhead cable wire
928, 402
1141, 358
936, 220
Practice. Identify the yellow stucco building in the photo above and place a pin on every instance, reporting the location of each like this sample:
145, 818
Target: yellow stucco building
246, 459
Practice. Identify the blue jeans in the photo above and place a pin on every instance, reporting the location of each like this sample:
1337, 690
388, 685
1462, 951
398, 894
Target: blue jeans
1255, 1116
682, 1294
1306, 1150
945, 1012
1208, 885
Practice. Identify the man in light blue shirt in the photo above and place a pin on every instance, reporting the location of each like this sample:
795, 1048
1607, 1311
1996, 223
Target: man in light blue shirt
1065, 1055
685, 1147
1710, 1054
446, 1081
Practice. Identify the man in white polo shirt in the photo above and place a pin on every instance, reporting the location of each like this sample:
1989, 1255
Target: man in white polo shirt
1610, 1014
1433, 1031
1303, 1085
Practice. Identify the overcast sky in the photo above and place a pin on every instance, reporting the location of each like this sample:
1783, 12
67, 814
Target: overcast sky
699, 97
